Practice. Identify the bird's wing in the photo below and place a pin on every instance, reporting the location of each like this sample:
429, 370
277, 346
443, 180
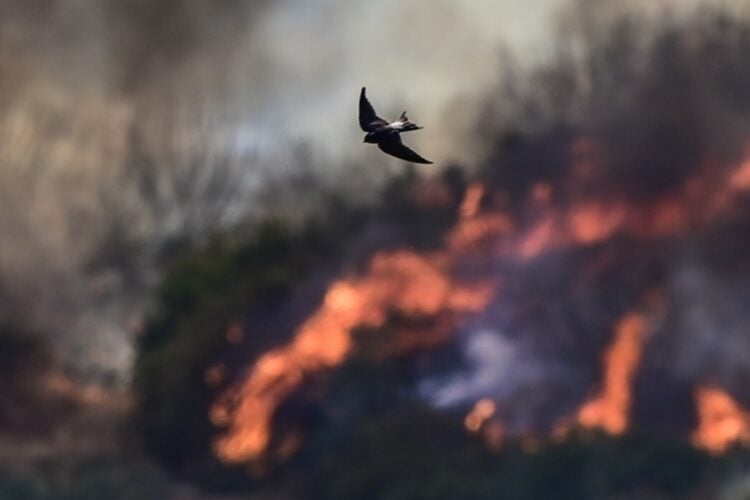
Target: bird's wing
394, 147
368, 120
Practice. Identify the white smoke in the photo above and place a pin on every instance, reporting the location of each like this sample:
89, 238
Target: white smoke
224, 87
497, 366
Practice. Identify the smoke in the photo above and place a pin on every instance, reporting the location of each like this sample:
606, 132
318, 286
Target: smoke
492, 358
132, 129
704, 335
660, 97
643, 111
427, 57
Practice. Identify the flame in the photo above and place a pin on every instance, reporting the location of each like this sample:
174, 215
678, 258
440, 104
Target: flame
399, 281
538, 239
420, 284
721, 421
584, 223
592, 223
473, 228
469, 234
482, 420
470, 205
482, 411
609, 409
739, 179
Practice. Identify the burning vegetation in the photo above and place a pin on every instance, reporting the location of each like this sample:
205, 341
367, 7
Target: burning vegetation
445, 285
465, 278
589, 280
399, 282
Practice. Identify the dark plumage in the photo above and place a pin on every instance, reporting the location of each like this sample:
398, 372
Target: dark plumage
387, 135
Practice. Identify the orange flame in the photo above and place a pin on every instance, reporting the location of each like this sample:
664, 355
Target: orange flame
401, 281
470, 205
473, 227
740, 178
420, 284
481, 420
482, 411
592, 223
609, 410
539, 238
721, 421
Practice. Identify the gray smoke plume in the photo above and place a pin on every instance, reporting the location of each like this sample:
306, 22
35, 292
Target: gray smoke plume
131, 129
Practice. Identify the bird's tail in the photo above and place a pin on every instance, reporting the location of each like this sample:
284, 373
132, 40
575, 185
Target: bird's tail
408, 124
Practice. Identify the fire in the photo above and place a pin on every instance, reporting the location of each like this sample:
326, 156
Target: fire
399, 281
740, 178
482, 420
422, 285
721, 421
471, 232
470, 206
609, 410
473, 228
482, 411
538, 239
584, 223
592, 223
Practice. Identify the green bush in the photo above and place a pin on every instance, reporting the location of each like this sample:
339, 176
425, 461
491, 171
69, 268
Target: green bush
201, 295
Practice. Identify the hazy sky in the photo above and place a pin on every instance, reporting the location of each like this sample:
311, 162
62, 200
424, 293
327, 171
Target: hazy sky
420, 55
264, 76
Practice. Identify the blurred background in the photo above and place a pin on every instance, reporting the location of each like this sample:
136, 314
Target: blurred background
211, 289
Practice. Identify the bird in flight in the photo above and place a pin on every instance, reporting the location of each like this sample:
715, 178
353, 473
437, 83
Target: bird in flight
387, 135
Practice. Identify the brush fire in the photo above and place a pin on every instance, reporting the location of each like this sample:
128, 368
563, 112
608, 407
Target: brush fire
488, 250
593, 280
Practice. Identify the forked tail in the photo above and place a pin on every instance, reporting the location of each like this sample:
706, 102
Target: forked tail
408, 124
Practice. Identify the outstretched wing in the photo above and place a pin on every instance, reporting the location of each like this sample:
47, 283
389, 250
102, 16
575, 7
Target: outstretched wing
394, 147
368, 120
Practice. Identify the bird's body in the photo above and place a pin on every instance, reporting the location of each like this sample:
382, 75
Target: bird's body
387, 135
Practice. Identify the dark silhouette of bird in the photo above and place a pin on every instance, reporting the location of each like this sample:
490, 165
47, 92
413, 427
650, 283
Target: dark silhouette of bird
387, 135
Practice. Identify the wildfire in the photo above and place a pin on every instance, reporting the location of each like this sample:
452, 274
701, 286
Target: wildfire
609, 409
421, 285
400, 281
721, 421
